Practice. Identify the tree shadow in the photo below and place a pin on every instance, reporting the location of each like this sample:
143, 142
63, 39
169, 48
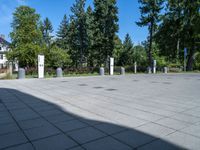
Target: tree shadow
28, 122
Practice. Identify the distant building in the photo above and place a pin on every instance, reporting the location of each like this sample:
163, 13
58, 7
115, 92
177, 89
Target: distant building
4, 47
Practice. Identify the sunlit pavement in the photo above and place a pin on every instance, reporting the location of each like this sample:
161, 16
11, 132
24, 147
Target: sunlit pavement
101, 113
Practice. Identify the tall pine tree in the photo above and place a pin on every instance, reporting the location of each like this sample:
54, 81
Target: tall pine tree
47, 30
80, 35
105, 22
63, 34
150, 13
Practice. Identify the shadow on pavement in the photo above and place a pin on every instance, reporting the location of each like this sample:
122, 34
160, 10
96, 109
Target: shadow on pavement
28, 123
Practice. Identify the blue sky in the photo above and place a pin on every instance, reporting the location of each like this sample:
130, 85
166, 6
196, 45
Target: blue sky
55, 9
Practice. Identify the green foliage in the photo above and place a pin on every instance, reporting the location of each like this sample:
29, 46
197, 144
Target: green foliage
26, 37
118, 47
126, 56
150, 16
90, 38
180, 29
62, 34
57, 57
78, 33
46, 29
105, 28
140, 55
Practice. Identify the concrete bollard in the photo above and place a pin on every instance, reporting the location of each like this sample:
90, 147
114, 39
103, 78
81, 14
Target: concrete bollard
165, 69
122, 71
21, 73
101, 71
135, 67
149, 70
59, 72
10, 69
154, 66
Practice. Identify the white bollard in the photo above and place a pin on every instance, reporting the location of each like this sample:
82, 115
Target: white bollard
111, 66
40, 66
135, 67
154, 66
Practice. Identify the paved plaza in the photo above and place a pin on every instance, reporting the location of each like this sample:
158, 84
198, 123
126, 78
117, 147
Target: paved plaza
129, 112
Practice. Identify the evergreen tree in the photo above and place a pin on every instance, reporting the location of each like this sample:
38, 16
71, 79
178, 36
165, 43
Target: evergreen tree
126, 56
79, 20
47, 30
63, 34
105, 22
26, 37
118, 48
150, 13
180, 29
90, 37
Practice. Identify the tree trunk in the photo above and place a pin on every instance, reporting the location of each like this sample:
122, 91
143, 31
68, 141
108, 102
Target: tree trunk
150, 46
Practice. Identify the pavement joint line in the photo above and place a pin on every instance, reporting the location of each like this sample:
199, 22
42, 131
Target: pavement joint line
19, 125
15, 145
49, 122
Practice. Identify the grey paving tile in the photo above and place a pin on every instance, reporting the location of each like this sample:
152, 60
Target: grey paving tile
184, 140
76, 148
193, 130
160, 145
12, 139
58, 142
51, 112
109, 128
41, 132
6, 120
24, 114
26, 146
59, 118
33, 123
174, 124
86, 134
134, 138
155, 130
107, 143
70, 125
7, 128
186, 118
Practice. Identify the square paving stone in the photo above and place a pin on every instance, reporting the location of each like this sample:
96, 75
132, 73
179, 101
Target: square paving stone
193, 130
76, 148
109, 128
12, 139
59, 118
7, 128
174, 124
6, 120
133, 138
70, 125
58, 142
86, 134
27, 146
186, 118
107, 143
51, 112
155, 130
28, 124
41, 132
160, 145
184, 140
24, 114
